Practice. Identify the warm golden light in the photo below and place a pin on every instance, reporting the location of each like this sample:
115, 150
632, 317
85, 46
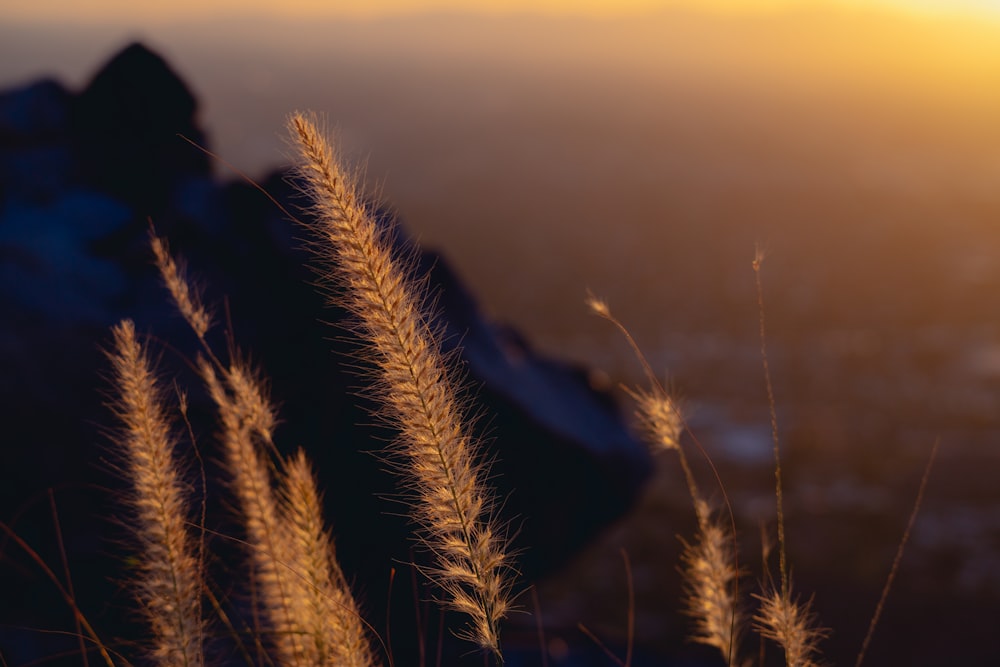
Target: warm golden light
122, 11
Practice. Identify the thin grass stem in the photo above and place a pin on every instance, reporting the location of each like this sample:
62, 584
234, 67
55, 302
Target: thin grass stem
899, 555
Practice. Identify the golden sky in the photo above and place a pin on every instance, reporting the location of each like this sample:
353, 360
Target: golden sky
129, 10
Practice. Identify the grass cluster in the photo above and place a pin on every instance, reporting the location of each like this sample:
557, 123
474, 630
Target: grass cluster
303, 609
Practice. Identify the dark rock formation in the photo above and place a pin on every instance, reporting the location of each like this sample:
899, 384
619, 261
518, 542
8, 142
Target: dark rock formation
79, 175
126, 125
35, 158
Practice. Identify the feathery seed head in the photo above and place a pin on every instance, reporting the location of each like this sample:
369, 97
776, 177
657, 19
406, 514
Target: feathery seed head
246, 416
598, 306
414, 385
790, 624
187, 299
709, 579
660, 418
327, 627
171, 582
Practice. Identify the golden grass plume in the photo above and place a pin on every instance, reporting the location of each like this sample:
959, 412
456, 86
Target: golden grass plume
310, 611
416, 386
329, 626
170, 583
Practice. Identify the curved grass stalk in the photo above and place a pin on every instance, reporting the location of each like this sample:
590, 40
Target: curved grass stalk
171, 582
415, 387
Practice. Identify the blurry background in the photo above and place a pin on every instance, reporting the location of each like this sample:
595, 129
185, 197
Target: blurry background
642, 150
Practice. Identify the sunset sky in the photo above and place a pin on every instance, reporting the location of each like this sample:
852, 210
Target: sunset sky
732, 119
126, 10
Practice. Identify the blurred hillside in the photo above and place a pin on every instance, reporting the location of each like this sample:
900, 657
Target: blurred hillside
641, 157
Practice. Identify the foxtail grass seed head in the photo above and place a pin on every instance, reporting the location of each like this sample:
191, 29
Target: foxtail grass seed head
246, 417
709, 578
415, 387
308, 605
790, 624
170, 584
660, 418
329, 630
186, 299
598, 306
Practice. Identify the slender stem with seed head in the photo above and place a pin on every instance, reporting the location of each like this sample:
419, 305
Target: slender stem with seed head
778, 494
781, 618
416, 387
187, 300
246, 419
791, 624
171, 582
303, 591
709, 581
711, 564
331, 630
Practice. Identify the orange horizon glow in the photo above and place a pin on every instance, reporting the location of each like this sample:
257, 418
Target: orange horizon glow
119, 11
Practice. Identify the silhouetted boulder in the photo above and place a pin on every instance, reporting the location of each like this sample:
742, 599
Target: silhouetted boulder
126, 126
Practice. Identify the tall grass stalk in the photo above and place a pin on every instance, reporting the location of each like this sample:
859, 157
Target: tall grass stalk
309, 608
781, 617
416, 386
331, 631
710, 565
245, 427
711, 590
170, 584
758, 260
898, 558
